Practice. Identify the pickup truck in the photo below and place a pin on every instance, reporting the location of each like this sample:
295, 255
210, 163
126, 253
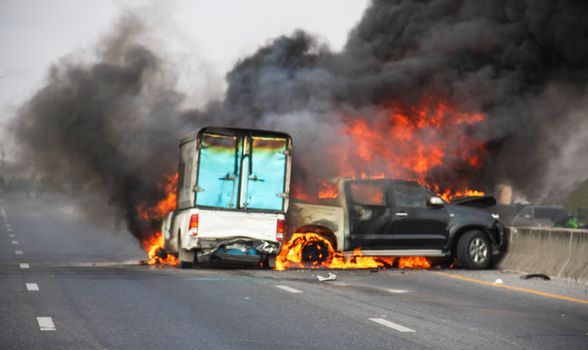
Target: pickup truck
387, 217
232, 196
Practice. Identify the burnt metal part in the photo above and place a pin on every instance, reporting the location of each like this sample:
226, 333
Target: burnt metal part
222, 250
536, 275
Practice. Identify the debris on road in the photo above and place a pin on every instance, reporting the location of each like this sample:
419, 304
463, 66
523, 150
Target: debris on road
536, 275
330, 277
499, 281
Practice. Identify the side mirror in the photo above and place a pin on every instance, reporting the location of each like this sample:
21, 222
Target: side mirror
435, 202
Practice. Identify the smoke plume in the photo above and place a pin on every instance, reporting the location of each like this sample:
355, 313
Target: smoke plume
115, 123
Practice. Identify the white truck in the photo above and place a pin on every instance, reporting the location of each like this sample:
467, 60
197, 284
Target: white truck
232, 196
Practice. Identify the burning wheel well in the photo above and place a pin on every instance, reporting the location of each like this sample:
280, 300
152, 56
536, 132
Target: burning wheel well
321, 231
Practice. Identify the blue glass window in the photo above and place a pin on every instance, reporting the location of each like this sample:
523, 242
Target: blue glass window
218, 171
263, 182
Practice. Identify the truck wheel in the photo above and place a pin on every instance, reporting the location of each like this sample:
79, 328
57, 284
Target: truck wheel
316, 252
268, 262
185, 257
474, 250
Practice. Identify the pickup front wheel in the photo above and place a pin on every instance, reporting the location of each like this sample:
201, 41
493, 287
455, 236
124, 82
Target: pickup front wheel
474, 250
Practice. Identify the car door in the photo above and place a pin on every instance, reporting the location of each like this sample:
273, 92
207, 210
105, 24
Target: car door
416, 225
369, 216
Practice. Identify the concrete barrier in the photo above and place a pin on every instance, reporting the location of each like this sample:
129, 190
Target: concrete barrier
556, 252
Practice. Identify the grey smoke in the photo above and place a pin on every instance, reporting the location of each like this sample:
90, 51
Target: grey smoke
104, 126
114, 123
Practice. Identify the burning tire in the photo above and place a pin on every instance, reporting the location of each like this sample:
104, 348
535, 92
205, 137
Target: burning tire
317, 252
474, 250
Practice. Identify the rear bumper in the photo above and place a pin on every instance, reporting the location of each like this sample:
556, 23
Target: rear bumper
237, 249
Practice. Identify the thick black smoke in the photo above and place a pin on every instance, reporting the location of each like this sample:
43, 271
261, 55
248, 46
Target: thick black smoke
115, 123
522, 63
109, 126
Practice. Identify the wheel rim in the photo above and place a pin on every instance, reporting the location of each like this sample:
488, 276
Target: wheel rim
478, 250
315, 252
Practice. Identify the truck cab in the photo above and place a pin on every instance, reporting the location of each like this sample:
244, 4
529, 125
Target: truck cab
232, 196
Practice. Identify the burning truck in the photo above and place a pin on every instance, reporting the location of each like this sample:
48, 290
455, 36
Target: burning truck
390, 218
232, 196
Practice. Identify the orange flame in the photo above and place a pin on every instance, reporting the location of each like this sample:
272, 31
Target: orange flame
448, 194
409, 143
414, 262
328, 191
153, 245
292, 255
165, 205
154, 248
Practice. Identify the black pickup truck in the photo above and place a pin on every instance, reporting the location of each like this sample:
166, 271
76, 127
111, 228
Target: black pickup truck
387, 217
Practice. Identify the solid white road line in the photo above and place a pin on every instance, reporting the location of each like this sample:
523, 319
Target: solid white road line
288, 289
392, 325
32, 287
18, 252
14, 242
24, 266
46, 323
397, 291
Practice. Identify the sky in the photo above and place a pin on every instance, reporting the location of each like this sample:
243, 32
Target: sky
213, 34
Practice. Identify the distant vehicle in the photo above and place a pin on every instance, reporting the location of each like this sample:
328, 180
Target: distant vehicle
399, 218
541, 216
232, 196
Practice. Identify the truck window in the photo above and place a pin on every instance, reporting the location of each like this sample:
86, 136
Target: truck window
264, 174
410, 196
218, 171
368, 193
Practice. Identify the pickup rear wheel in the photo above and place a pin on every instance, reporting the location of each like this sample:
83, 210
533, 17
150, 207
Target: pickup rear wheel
474, 250
185, 257
316, 252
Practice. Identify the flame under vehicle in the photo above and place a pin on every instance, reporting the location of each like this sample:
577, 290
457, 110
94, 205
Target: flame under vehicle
232, 196
386, 217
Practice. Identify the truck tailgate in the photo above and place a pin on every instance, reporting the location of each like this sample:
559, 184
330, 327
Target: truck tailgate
224, 224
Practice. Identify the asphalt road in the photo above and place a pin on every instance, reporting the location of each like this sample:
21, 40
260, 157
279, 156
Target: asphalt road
83, 289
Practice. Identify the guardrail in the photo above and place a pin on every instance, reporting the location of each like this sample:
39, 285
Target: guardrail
556, 252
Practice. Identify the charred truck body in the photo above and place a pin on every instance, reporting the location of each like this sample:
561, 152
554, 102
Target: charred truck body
232, 196
399, 218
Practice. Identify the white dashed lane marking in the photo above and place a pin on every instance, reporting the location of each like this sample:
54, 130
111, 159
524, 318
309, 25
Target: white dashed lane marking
392, 325
9, 229
24, 266
32, 287
14, 242
18, 252
46, 323
11, 235
288, 289
396, 291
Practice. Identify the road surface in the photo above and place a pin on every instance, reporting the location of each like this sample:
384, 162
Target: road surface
68, 284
